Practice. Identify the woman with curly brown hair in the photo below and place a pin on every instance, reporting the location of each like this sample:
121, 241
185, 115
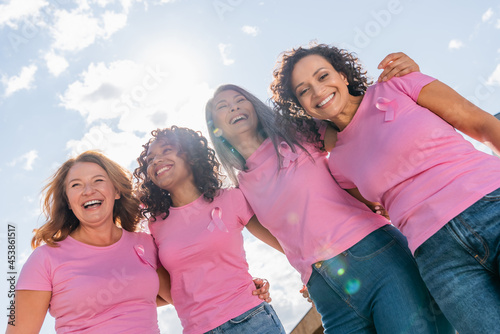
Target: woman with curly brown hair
95, 273
357, 267
397, 144
197, 227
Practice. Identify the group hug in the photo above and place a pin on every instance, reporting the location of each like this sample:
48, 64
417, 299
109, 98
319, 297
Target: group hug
390, 216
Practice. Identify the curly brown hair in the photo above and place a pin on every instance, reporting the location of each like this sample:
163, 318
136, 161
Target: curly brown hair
61, 221
287, 104
193, 148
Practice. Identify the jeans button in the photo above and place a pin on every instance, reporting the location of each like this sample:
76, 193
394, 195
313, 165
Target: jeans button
318, 264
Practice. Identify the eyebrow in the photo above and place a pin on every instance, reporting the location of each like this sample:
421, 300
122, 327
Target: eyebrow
219, 102
224, 100
162, 144
314, 74
77, 179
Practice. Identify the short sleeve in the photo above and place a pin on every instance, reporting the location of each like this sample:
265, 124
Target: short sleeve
322, 125
241, 206
36, 272
146, 249
411, 84
342, 181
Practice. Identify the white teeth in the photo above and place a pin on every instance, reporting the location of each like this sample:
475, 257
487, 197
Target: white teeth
89, 203
161, 170
325, 101
240, 117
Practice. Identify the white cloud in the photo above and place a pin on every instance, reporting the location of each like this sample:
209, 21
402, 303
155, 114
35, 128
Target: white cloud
224, 52
55, 63
113, 22
122, 147
26, 160
141, 97
455, 44
497, 25
14, 11
487, 15
494, 78
75, 30
249, 30
22, 81
98, 94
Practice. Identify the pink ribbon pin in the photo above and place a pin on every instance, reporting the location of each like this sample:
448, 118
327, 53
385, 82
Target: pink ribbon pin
388, 106
139, 250
217, 221
287, 154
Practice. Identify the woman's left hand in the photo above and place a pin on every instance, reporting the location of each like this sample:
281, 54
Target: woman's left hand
262, 289
380, 210
396, 65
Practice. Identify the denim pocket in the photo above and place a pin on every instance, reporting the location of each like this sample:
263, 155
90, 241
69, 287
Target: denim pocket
248, 315
492, 196
371, 245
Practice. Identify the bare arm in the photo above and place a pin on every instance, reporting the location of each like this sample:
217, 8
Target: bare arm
164, 295
261, 233
461, 114
31, 308
396, 65
375, 207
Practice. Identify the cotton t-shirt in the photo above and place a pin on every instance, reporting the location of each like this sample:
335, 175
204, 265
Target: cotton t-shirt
410, 160
201, 246
98, 290
302, 205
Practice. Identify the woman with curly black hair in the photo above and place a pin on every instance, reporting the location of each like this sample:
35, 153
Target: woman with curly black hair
197, 227
356, 265
398, 145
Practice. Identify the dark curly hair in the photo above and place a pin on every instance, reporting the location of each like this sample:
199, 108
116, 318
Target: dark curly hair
193, 148
287, 104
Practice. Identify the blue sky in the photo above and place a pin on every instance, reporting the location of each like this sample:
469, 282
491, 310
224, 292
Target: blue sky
101, 74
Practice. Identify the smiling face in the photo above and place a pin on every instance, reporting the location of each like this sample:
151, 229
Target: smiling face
320, 89
91, 194
233, 115
166, 168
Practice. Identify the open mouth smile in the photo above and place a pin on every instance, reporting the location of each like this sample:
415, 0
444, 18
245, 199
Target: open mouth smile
163, 169
325, 101
92, 204
238, 118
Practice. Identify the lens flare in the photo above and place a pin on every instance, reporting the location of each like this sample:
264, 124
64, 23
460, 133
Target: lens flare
292, 218
217, 132
352, 286
341, 271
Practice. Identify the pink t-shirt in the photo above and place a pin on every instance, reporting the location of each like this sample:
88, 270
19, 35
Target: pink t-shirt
201, 246
302, 205
98, 290
410, 160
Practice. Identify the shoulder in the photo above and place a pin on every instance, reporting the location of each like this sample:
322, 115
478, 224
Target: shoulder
406, 82
138, 236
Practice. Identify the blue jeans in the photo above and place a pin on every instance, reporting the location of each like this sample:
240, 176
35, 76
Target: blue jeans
260, 319
460, 264
375, 287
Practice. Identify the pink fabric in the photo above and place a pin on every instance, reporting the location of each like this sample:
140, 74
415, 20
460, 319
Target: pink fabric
201, 246
97, 289
406, 157
303, 206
